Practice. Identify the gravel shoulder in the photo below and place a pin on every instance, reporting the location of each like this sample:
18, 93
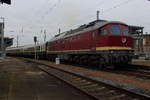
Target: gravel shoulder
133, 81
141, 62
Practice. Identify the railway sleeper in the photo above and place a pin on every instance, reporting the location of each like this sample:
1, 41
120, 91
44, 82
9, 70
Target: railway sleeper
89, 87
94, 89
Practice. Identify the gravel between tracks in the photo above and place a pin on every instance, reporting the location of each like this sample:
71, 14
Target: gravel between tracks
145, 63
139, 83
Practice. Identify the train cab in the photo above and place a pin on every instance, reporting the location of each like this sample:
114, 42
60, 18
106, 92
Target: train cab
115, 36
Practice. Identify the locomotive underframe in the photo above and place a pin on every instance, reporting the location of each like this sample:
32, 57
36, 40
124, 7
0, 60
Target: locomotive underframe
98, 58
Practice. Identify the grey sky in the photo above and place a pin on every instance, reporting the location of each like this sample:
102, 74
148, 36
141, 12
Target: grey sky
27, 18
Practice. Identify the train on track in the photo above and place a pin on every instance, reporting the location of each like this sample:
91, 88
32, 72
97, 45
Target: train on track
101, 43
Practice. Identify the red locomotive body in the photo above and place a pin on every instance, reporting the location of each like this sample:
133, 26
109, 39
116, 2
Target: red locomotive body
100, 43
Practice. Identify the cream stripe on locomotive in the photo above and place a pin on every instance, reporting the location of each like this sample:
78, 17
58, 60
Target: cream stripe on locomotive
114, 48
98, 49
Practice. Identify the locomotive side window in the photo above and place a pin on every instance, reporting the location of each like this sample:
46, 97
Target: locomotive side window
103, 32
115, 29
94, 34
69, 39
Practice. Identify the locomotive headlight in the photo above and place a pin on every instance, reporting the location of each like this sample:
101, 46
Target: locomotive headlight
124, 40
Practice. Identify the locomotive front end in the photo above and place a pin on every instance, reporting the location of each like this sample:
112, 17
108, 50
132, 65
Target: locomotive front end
117, 44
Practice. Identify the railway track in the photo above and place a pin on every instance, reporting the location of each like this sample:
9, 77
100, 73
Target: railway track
128, 70
99, 89
139, 73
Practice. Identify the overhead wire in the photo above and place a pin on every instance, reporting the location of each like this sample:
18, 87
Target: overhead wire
51, 8
39, 20
109, 9
118, 5
100, 3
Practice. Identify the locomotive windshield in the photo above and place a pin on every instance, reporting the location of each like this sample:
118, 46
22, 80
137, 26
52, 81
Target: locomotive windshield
115, 29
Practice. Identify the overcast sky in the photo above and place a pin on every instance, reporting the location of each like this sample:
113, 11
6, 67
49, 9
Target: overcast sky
26, 18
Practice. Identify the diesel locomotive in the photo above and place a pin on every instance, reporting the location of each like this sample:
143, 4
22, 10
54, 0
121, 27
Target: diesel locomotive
101, 43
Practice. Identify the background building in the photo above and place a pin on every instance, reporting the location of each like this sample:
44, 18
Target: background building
137, 34
4, 41
146, 42
5, 1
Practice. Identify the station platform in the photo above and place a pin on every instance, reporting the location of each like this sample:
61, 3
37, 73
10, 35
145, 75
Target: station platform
20, 80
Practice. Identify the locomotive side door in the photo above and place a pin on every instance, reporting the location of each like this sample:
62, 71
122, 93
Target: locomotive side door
93, 41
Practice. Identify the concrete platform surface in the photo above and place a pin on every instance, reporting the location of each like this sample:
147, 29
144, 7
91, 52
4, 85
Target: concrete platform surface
20, 80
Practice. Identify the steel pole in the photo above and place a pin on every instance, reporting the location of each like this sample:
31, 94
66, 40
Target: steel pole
35, 51
2, 38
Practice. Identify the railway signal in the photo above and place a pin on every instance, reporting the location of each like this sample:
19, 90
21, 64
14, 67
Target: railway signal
35, 41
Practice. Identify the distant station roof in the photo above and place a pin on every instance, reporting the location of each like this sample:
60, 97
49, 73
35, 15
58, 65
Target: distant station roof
8, 41
146, 34
135, 29
5, 1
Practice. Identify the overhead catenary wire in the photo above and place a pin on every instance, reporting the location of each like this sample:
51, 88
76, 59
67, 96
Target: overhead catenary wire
46, 13
116, 6
101, 12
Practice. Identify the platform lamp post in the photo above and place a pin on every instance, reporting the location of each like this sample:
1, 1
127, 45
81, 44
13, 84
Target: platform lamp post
35, 53
2, 38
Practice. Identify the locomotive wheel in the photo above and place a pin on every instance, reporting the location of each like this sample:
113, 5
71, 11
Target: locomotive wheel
101, 64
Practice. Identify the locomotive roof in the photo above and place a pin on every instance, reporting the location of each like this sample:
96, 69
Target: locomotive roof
84, 28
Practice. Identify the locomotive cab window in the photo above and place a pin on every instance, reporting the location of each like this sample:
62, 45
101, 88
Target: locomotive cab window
126, 31
115, 29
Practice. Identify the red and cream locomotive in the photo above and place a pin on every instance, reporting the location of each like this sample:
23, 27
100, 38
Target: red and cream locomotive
101, 43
